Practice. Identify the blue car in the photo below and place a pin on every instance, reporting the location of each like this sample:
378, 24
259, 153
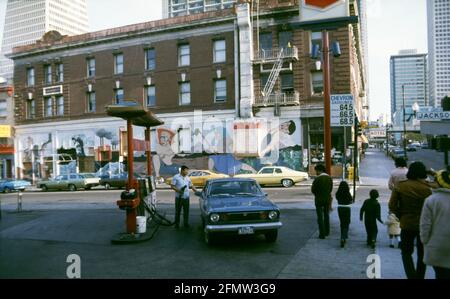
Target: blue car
10, 185
237, 206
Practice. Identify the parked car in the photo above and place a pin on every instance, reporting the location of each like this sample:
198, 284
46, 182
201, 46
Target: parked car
411, 148
70, 182
398, 153
9, 185
277, 175
237, 206
199, 177
116, 181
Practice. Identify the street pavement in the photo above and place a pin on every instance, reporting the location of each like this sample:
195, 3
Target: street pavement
36, 242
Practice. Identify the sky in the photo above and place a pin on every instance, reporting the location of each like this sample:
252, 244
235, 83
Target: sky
393, 25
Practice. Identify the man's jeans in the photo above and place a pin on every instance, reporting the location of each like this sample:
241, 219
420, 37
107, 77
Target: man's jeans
323, 219
181, 203
407, 246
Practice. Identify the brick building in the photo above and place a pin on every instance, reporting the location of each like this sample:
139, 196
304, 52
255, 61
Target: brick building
201, 73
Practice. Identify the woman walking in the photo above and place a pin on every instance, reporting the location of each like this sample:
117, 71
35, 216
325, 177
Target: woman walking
344, 199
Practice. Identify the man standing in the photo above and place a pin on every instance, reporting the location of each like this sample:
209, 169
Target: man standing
181, 184
321, 188
399, 173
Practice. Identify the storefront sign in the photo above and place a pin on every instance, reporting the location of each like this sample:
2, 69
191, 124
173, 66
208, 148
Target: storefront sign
52, 90
5, 131
323, 9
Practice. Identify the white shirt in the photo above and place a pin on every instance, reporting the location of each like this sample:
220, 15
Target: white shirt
179, 182
397, 175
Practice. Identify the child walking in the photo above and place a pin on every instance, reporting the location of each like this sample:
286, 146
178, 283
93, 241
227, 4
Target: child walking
344, 199
371, 211
393, 227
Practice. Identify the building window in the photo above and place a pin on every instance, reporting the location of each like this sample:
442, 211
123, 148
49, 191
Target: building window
31, 109
265, 41
60, 105
48, 107
91, 102
317, 82
48, 74
150, 63
185, 93
316, 38
118, 64
219, 51
264, 78
287, 83
150, 96
60, 72
3, 109
285, 39
90, 67
30, 76
183, 55
220, 91
118, 95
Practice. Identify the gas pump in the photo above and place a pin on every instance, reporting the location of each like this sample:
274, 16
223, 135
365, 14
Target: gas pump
133, 199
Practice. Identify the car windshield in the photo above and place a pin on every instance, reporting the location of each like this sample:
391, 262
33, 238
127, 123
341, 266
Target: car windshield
234, 188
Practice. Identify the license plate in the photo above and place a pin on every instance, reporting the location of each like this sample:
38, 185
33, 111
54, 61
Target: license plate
246, 230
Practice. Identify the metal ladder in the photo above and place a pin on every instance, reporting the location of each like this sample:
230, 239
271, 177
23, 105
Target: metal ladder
273, 77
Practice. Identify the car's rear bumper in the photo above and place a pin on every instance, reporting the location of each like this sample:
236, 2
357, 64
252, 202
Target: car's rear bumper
235, 227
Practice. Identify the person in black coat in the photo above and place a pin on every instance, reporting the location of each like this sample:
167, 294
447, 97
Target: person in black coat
344, 199
321, 188
371, 211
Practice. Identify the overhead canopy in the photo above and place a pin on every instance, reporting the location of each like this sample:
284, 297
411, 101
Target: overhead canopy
148, 120
130, 109
127, 110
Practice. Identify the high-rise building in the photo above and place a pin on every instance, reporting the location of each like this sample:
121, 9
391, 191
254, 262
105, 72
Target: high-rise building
409, 72
27, 21
176, 8
438, 49
362, 13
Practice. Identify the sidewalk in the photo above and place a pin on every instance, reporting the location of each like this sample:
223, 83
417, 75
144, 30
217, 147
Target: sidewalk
325, 259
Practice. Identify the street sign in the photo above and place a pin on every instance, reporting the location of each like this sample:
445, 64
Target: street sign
436, 115
342, 110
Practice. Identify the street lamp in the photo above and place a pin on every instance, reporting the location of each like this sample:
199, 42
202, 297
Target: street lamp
415, 108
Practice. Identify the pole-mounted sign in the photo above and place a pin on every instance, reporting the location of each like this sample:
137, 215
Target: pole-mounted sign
342, 110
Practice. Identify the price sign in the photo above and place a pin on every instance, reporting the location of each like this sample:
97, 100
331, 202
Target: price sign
342, 110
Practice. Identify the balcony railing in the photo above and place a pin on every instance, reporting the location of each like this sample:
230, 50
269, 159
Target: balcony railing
267, 55
282, 99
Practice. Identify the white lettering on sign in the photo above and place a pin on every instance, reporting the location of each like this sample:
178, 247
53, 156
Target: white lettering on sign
433, 115
342, 110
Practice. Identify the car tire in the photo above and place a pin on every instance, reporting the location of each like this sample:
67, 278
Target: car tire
88, 187
72, 187
108, 186
7, 190
287, 183
44, 188
272, 236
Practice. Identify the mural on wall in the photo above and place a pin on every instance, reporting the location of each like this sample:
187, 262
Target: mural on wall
205, 146
214, 150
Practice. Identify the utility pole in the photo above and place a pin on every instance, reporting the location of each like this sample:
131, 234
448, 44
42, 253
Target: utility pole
326, 106
404, 122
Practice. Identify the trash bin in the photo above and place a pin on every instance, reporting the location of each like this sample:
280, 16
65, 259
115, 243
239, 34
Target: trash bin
351, 172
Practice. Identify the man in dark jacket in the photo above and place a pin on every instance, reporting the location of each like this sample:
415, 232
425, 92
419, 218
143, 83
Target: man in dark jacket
321, 188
